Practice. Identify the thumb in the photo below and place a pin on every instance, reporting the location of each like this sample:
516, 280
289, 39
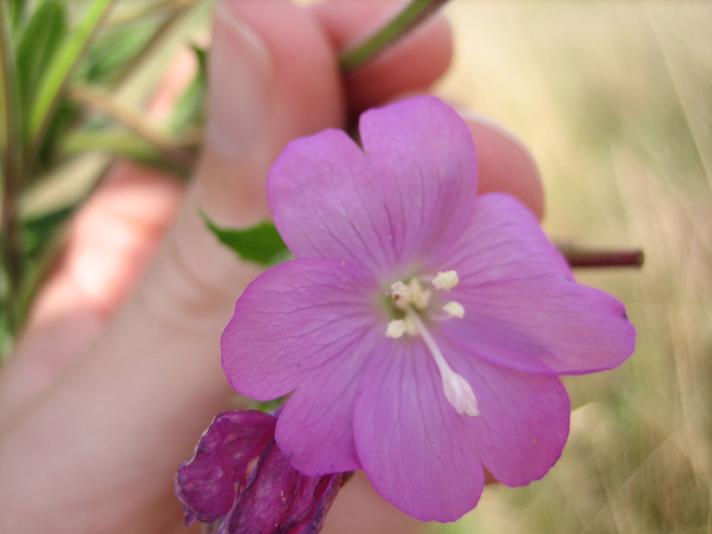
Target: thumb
273, 77
262, 95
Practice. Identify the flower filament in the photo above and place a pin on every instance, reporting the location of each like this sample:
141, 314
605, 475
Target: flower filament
413, 300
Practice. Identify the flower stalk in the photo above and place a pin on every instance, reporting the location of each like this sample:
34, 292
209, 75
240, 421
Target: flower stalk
585, 258
415, 12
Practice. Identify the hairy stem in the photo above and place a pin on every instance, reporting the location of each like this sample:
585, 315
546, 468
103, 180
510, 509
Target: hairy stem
415, 12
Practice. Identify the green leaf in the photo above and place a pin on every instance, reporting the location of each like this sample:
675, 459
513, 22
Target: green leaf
260, 243
38, 230
38, 45
57, 75
59, 126
113, 50
17, 13
189, 110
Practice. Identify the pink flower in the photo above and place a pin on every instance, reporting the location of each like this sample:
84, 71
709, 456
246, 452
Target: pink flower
421, 329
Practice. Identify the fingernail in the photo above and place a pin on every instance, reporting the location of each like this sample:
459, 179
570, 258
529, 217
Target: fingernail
240, 71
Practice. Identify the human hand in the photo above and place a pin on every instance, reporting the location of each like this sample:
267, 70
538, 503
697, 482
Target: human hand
118, 371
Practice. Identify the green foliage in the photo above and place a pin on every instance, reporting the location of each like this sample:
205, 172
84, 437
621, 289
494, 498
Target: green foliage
38, 230
113, 50
189, 111
260, 243
55, 78
38, 44
17, 12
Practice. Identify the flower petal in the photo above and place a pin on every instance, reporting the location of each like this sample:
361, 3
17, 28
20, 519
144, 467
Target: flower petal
524, 418
315, 426
281, 499
292, 319
523, 309
325, 203
414, 447
205, 484
424, 157
394, 207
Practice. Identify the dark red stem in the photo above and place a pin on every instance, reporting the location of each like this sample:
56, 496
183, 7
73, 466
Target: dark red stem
579, 257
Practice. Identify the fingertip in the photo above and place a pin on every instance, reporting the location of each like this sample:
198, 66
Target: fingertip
413, 63
505, 163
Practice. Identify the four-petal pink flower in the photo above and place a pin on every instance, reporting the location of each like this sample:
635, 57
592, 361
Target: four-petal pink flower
420, 330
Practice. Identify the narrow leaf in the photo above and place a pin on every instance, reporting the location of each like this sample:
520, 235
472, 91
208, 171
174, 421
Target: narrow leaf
17, 13
66, 59
39, 43
112, 50
38, 230
260, 243
190, 107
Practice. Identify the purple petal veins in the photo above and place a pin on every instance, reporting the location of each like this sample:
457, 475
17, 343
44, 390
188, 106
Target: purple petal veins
420, 330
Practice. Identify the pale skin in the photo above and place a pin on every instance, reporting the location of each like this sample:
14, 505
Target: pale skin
117, 372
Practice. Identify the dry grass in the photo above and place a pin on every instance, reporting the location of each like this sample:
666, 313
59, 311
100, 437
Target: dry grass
615, 100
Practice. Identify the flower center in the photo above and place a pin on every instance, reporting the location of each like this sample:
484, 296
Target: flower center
413, 299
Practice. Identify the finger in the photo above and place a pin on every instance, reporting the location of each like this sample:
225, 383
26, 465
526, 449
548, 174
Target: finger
108, 243
360, 509
413, 63
505, 164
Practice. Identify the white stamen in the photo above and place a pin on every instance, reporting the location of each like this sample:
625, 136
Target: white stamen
396, 328
457, 390
418, 296
446, 280
454, 309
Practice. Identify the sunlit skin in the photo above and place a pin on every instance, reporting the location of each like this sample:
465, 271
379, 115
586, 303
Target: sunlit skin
118, 371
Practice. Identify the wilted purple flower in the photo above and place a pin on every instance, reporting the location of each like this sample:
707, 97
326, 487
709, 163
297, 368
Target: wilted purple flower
239, 481
420, 329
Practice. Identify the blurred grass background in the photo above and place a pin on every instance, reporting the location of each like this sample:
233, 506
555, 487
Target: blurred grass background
615, 101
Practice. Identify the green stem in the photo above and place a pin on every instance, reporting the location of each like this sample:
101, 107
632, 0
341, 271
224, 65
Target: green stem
55, 79
11, 150
115, 142
415, 12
